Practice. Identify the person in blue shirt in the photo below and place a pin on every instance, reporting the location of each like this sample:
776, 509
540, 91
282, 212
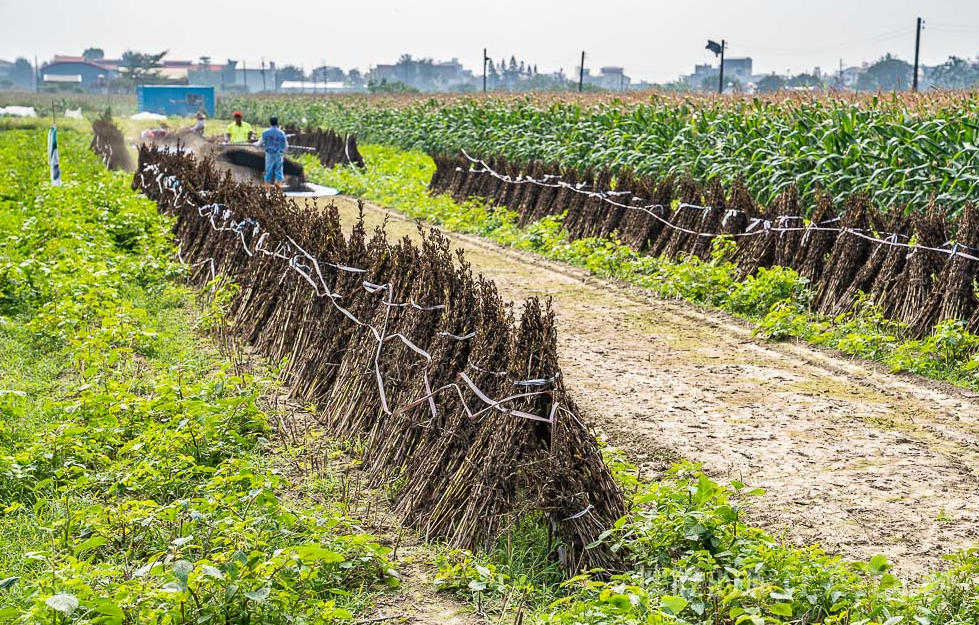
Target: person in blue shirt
275, 143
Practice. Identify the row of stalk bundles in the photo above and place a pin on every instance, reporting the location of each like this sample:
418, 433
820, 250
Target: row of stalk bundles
352, 315
842, 253
329, 147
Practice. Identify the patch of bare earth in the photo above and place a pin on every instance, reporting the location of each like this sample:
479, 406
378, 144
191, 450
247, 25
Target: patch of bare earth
851, 457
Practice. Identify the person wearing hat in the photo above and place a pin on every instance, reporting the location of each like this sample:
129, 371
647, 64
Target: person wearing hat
239, 131
199, 126
275, 143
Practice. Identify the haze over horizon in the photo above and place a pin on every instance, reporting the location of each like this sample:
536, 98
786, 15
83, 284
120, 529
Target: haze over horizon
654, 41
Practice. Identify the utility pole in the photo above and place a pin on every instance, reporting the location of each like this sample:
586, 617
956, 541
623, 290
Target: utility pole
485, 61
917, 52
244, 74
581, 73
37, 70
720, 82
263, 74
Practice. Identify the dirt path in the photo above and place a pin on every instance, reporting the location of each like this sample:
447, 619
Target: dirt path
851, 457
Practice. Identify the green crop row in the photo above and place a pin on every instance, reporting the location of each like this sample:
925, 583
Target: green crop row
901, 150
136, 480
776, 299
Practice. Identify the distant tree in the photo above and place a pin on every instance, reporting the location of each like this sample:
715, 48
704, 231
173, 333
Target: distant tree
395, 86
513, 64
733, 85
888, 74
139, 67
955, 73
770, 84
545, 82
709, 82
205, 61
90, 54
805, 81
289, 72
22, 73
676, 86
492, 76
355, 78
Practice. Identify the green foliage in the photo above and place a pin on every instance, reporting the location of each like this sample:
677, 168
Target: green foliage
90, 103
390, 87
956, 73
776, 298
899, 150
950, 353
888, 73
135, 479
771, 83
140, 67
693, 560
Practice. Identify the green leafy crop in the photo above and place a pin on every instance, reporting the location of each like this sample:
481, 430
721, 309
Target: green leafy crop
899, 150
135, 482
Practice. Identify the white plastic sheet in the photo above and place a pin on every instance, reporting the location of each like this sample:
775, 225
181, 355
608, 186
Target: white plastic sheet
17, 111
148, 115
315, 190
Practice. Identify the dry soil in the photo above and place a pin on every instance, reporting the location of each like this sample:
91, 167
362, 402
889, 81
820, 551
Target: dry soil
851, 457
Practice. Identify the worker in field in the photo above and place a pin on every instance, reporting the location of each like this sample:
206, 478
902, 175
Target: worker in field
198, 128
275, 143
239, 131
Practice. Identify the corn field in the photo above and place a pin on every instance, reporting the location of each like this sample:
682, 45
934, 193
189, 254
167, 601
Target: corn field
900, 151
918, 268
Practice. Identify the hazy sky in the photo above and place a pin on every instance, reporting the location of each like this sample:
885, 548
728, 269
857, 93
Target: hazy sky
653, 40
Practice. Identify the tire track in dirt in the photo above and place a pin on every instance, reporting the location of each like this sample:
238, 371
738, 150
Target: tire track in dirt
851, 457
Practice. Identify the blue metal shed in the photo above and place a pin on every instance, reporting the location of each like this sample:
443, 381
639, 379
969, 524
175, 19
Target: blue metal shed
183, 100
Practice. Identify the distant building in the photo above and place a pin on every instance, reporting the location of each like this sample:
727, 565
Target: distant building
611, 78
451, 74
310, 86
76, 70
424, 74
230, 77
739, 68
850, 76
221, 77
735, 69
254, 80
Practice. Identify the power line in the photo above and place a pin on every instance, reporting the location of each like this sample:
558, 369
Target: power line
960, 30
943, 25
897, 34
